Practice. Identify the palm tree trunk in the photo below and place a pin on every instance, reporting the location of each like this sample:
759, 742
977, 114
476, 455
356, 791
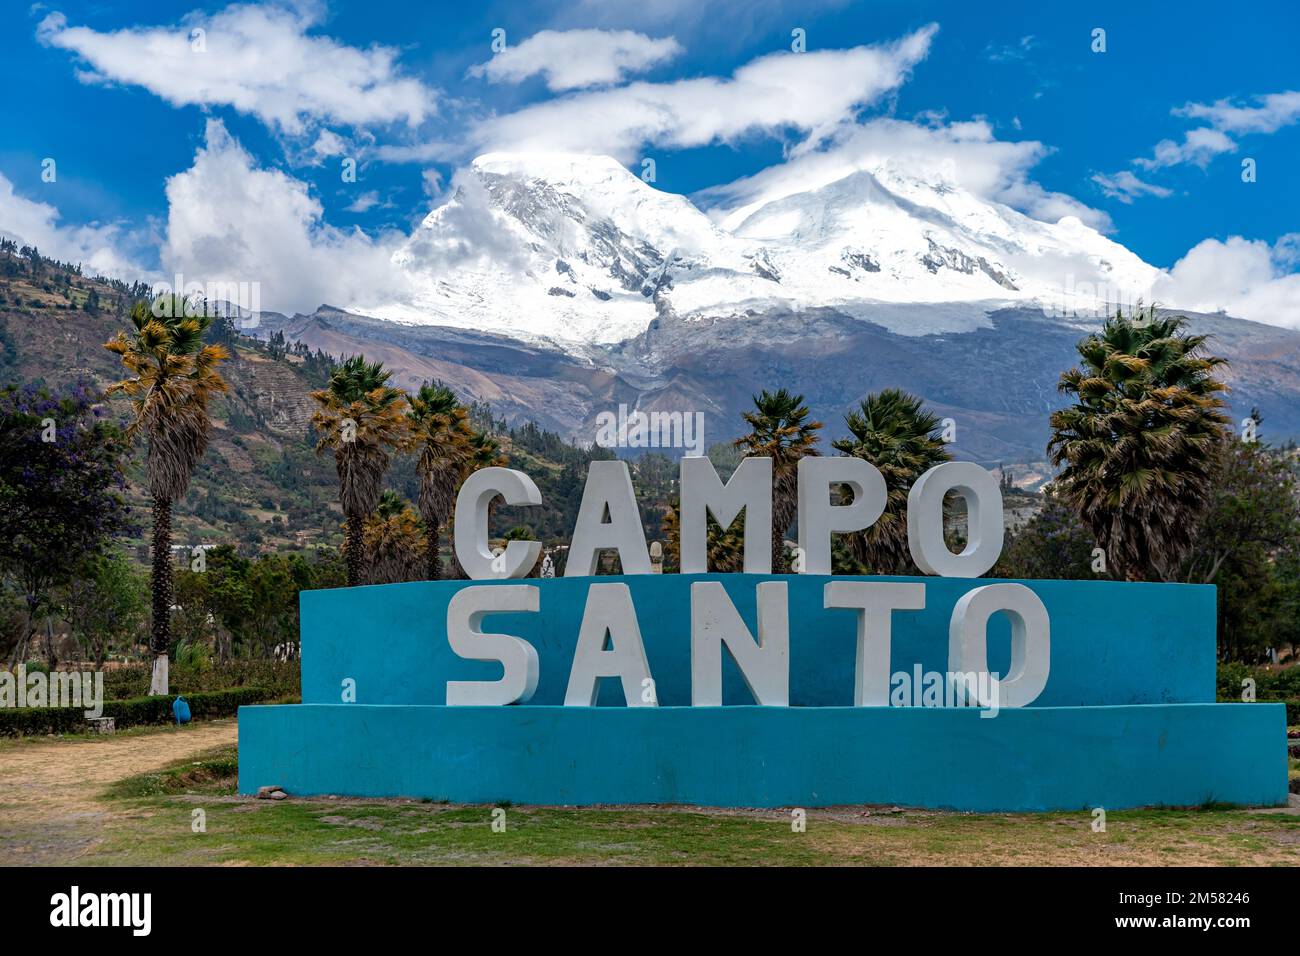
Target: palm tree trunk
432, 552
160, 636
353, 549
784, 507
778, 549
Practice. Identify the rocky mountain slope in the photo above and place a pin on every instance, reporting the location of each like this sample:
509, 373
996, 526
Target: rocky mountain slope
996, 381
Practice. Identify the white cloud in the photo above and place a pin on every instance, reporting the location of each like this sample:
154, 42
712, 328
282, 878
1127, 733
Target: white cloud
431, 183
728, 23
1274, 111
1199, 146
363, 203
99, 248
812, 93
573, 59
1202, 144
259, 60
1246, 278
964, 153
230, 221
328, 143
1010, 51
1126, 187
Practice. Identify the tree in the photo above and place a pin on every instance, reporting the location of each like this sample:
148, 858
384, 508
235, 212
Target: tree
1248, 545
395, 542
891, 430
61, 503
361, 418
173, 379
107, 604
780, 429
440, 426
1142, 442
725, 546
484, 452
1054, 544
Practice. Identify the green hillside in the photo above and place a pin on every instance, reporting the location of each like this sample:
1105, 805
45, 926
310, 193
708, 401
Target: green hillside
260, 486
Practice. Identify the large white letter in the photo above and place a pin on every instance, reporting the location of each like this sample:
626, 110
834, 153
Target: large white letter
609, 612
609, 486
703, 493
875, 602
465, 613
818, 518
765, 665
472, 524
1031, 640
983, 500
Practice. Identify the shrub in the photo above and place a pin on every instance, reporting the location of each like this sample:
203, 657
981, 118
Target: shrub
135, 712
279, 678
1270, 685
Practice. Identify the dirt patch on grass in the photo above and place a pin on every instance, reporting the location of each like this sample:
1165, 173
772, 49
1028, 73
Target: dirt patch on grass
50, 792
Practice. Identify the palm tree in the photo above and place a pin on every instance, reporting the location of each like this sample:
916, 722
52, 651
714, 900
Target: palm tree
394, 541
895, 433
725, 546
440, 427
173, 377
361, 417
1143, 441
780, 430
484, 452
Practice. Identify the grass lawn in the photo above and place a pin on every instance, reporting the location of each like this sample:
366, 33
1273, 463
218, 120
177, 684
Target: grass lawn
150, 815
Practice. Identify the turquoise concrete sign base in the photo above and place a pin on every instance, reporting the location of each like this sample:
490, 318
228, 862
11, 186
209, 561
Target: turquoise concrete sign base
1126, 717
1044, 758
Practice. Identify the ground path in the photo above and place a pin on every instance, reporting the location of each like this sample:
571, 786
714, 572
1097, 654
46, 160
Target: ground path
50, 809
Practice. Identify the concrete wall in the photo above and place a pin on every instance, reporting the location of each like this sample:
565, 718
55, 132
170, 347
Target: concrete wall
1112, 643
1126, 718
1045, 758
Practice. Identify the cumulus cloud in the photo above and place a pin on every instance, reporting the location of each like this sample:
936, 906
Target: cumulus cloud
259, 60
230, 221
1126, 187
812, 93
966, 154
573, 59
1246, 278
99, 248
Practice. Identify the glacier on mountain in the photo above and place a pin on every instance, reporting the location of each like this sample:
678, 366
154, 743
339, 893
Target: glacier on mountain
574, 250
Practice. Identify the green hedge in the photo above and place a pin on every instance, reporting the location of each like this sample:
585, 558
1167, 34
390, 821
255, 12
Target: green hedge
1271, 684
283, 678
138, 711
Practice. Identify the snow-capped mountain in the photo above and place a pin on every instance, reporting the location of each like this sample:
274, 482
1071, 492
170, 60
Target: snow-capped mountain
574, 249
559, 287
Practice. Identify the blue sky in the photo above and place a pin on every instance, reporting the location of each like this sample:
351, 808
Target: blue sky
408, 91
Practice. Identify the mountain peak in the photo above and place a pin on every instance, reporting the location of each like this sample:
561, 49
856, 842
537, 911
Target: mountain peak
555, 168
575, 248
